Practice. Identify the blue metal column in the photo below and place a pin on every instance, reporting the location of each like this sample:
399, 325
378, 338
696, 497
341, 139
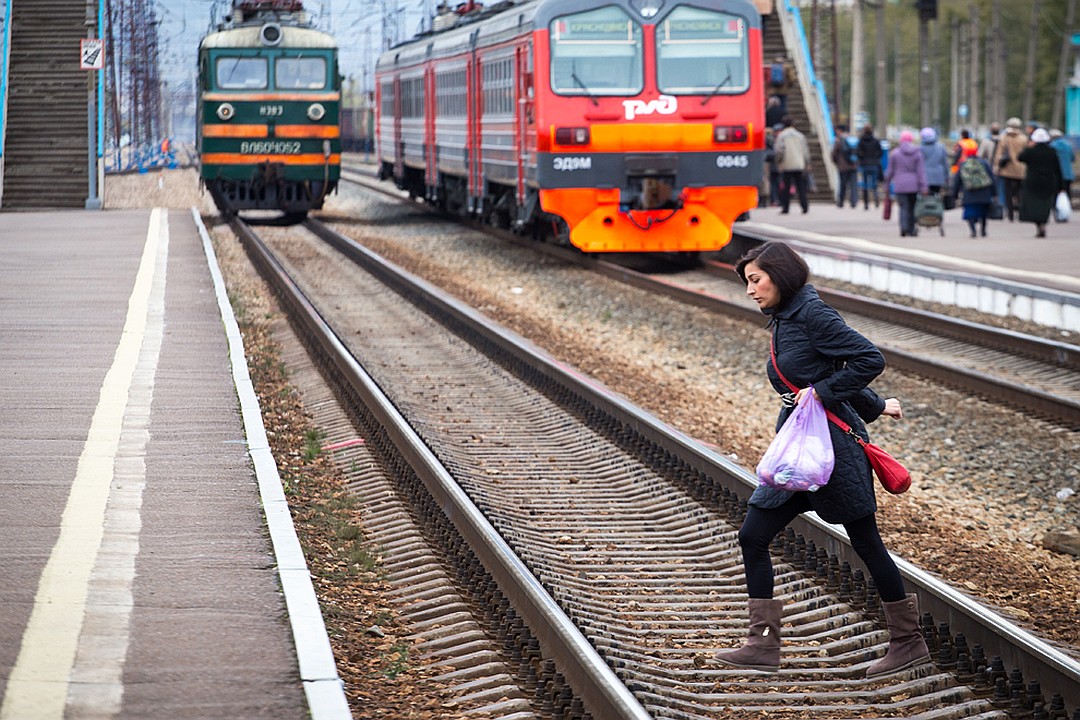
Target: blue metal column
5, 52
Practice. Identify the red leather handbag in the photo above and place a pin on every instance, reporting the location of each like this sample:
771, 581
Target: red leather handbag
893, 476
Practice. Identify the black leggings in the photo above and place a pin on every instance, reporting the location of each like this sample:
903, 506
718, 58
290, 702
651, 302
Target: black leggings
762, 525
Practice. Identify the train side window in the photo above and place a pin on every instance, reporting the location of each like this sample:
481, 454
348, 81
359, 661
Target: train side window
598, 52
300, 73
702, 51
241, 73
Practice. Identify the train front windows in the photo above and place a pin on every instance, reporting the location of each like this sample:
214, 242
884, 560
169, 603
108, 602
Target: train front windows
241, 73
596, 53
702, 52
300, 73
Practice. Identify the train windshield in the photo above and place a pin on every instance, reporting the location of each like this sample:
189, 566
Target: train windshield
300, 73
241, 73
596, 53
702, 51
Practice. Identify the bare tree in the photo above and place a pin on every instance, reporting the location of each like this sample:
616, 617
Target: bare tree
1029, 74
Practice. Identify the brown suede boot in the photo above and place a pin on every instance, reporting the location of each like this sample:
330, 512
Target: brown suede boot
762, 648
906, 645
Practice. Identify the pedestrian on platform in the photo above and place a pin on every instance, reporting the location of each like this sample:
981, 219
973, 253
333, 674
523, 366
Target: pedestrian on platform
845, 157
987, 151
776, 184
780, 77
907, 173
774, 111
989, 144
1041, 183
1008, 166
793, 159
869, 152
962, 145
1066, 158
813, 346
935, 159
975, 182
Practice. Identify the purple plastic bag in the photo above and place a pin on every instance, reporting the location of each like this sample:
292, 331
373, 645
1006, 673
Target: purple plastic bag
800, 457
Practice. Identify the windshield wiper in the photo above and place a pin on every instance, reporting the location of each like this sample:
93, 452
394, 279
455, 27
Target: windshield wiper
722, 83
583, 86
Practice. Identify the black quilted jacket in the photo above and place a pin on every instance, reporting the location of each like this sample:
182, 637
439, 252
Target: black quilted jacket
814, 346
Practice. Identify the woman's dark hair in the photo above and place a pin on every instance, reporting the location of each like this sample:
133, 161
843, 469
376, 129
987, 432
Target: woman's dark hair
785, 267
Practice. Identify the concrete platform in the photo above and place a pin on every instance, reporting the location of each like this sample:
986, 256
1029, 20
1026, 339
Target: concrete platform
141, 577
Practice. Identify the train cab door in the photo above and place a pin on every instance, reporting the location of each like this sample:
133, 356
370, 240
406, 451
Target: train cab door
430, 145
525, 122
475, 129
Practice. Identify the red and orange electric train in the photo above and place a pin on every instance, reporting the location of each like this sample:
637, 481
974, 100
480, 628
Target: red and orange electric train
613, 125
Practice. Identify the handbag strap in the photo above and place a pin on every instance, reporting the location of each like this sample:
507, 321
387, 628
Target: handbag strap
828, 413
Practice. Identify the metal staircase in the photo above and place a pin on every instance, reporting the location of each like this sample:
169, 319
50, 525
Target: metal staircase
45, 133
785, 36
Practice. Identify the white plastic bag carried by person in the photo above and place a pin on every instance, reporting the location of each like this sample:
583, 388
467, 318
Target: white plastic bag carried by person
1062, 207
800, 457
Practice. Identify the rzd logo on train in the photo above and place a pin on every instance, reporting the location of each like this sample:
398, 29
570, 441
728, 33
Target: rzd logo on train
663, 105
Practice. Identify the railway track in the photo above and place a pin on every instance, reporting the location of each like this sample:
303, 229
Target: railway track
630, 572
1041, 377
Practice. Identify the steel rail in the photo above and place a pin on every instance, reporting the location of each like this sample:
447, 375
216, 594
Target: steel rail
601, 691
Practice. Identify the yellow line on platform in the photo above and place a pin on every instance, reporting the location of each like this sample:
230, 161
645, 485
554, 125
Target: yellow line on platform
37, 687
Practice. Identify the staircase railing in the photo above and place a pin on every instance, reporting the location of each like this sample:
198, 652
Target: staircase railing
813, 90
5, 54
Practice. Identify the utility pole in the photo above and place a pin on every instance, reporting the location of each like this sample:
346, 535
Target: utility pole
934, 68
927, 12
997, 90
898, 78
881, 114
974, 116
954, 81
858, 67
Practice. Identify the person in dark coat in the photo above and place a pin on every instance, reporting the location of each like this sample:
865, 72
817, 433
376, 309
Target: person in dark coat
844, 157
869, 153
1042, 180
813, 346
976, 182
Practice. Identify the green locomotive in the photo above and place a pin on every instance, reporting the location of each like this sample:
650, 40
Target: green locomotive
269, 106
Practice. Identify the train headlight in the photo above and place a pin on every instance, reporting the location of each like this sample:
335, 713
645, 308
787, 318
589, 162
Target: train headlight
226, 111
316, 112
647, 8
270, 34
730, 134
572, 136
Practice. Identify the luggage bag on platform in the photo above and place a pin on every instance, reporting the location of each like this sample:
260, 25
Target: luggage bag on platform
930, 212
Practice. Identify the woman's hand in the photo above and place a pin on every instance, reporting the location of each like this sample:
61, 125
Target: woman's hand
893, 409
799, 395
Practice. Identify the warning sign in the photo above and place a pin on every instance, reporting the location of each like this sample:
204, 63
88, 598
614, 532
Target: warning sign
93, 54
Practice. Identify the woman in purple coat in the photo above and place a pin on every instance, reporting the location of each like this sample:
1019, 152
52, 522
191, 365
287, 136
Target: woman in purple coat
907, 173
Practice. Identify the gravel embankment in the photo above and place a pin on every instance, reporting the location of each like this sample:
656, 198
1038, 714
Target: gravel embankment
986, 478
